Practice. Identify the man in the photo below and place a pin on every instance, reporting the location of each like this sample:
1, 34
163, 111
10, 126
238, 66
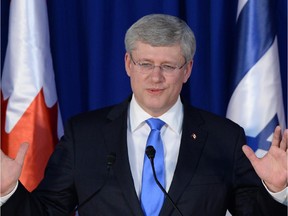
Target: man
205, 169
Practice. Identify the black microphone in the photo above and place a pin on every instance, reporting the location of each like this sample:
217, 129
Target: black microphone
150, 152
111, 158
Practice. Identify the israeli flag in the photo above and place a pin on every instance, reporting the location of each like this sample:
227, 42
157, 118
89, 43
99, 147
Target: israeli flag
257, 102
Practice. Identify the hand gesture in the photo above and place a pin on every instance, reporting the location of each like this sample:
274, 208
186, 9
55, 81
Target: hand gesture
272, 168
11, 169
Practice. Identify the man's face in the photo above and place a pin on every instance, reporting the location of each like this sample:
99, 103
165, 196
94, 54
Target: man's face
156, 90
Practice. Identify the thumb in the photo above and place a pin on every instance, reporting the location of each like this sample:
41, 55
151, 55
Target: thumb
249, 154
22, 153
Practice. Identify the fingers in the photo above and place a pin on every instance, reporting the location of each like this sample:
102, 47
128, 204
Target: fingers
250, 154
284, 141
281, 142
276, 136
2, 154
21, 153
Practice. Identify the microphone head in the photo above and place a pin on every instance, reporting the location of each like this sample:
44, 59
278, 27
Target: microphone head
150, 152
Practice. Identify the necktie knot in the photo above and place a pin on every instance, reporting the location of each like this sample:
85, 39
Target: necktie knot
155, 123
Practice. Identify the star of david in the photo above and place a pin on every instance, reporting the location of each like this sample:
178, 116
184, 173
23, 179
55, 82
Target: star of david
261, 140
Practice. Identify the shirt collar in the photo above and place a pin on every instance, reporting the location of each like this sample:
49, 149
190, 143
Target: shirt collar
173, 117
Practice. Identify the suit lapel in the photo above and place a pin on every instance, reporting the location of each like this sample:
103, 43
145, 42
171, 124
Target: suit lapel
117, 143
192, 144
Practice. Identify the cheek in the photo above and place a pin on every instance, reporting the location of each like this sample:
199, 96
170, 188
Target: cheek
178, 81
177, 84
135, 82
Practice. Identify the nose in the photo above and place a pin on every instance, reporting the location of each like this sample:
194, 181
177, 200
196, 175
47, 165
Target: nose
157, 74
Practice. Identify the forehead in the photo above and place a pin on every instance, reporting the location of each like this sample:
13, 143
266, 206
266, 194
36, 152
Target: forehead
143, 50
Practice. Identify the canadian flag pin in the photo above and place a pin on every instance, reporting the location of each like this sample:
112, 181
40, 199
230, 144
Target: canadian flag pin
194, 136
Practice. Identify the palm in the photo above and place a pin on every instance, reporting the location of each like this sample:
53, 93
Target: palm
272, 168
11, 169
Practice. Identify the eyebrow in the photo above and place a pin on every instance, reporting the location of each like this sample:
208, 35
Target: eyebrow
151, 61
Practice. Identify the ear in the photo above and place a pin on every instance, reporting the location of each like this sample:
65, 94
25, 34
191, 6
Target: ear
128, 63
188, 71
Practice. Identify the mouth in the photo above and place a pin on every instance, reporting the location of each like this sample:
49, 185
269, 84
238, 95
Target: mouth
155, 91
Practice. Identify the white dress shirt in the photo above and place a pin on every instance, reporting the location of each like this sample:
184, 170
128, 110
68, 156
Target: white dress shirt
137, 134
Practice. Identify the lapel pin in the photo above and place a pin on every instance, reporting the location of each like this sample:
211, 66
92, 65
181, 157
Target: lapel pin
194, 136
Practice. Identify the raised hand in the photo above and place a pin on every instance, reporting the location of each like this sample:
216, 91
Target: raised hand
11, 169
272, 168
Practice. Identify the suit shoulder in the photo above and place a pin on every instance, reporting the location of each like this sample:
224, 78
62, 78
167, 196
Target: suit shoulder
216, 120
101, 115
90, 116
98, 114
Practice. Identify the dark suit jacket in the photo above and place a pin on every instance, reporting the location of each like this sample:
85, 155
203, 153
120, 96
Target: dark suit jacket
211, 176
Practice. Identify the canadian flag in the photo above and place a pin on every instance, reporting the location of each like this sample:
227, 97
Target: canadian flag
29, 108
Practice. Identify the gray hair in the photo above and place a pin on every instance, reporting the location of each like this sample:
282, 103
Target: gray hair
162, 30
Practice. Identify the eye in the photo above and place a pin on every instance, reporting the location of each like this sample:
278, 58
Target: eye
168, 67
146, 65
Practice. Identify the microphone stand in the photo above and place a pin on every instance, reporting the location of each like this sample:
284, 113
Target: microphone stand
110, 161
150, 152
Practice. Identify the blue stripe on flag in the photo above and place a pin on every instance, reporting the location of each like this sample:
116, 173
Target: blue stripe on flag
256, 29
256, 102
261, 140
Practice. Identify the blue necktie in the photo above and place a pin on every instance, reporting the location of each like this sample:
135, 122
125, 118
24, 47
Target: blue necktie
152, 197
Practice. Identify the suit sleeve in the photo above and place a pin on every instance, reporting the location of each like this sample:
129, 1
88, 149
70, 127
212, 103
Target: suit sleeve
55, 195
251, 198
